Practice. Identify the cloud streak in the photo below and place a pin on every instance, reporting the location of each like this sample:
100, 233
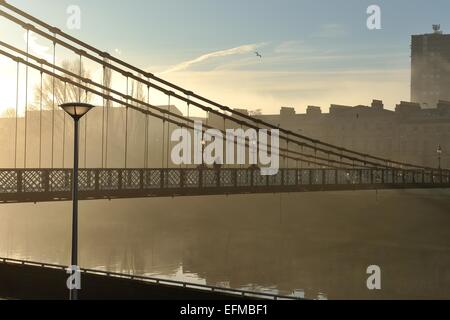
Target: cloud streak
331, 31
217, 54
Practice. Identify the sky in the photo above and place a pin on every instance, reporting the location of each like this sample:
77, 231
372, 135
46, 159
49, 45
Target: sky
313, 52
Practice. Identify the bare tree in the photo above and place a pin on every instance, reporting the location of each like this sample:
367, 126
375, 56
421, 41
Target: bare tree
55, 92
65, 92
8, 113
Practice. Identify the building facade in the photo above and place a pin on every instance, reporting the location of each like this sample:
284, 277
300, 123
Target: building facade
411, 133
430, 68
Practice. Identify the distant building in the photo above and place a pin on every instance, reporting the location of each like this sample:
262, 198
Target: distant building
430, 67
410, 133
90, 148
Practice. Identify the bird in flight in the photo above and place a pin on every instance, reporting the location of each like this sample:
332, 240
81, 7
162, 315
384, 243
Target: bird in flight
258, 54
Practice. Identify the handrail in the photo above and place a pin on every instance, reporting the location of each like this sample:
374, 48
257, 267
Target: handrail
244, 293
37, 185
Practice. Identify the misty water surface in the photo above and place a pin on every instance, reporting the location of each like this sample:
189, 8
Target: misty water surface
313, 245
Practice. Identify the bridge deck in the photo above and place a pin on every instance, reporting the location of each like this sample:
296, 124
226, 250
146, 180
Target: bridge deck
39, 185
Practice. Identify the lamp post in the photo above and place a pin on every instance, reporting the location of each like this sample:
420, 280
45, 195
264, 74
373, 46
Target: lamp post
439, 153
76, 111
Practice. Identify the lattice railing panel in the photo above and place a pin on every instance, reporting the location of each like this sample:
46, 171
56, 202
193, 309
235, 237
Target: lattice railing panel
60, 181
8, 181
305, 177
388, 176
191, 178
343, 177
172, 178
356, 176
210, 178
317, 176
86, 180
258, 179
408, 177
276, 180
227, 178
244, 178
108, 180
428, 177
377, 176
290, 177
398, 177
330, 177
131, 179
152, 179
365, 177
33, 181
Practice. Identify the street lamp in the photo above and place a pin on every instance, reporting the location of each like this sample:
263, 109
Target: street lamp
76, 111
439, 153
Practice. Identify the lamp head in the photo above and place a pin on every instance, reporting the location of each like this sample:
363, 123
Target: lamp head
439, 150
76, 110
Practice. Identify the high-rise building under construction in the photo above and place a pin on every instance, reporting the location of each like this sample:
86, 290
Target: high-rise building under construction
430, 68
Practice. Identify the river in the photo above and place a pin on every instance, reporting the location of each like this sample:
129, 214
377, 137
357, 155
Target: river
312, 245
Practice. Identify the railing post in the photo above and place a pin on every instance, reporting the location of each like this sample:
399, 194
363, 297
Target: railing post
162, 179
370, 176
336, 177
310, 177
323, 177
360, 176
200, 178
141, 179
120, 178
282, 176
182, 178
46, 180
252, 178
68, 179
19, 181
97, 180
218, 177
235, 177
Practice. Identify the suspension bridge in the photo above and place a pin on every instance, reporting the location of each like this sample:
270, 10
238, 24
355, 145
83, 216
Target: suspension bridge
134, 161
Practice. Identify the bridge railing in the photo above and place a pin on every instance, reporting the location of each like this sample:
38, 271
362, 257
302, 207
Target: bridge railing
108, 180
157, 281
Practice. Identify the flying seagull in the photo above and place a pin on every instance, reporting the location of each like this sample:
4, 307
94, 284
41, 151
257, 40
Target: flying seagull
258, 54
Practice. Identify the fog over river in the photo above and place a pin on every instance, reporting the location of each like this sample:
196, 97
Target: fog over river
313, 245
